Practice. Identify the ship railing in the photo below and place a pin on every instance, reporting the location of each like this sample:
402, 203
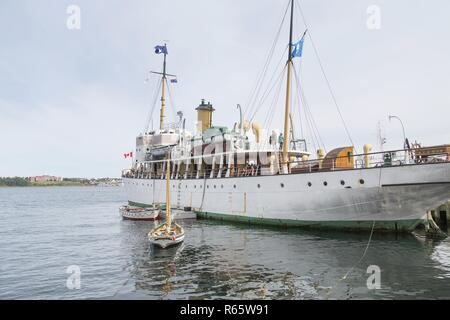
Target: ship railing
127, 173
349, 162
370, 160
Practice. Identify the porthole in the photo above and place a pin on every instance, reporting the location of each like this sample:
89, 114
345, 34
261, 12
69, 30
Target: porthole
201, 187
282, 185
221, 186
343, 182
214, 186
195, 187
309, 184
361, 181
234, 186
259, 186
325, 183
207, 186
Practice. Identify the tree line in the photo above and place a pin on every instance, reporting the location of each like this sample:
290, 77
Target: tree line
13, 182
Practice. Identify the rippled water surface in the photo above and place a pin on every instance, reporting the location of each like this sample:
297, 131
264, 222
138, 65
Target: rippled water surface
43, 231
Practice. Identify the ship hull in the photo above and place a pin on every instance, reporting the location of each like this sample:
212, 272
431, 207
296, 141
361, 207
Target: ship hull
385, 198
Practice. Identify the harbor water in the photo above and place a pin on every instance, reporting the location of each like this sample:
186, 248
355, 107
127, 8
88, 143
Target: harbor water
71, 243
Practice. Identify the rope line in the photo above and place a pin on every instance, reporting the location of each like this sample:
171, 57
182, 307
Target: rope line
172, 101
323, 73
269, 118
150, 116
309, 118
357, 263
269, 89
260, 80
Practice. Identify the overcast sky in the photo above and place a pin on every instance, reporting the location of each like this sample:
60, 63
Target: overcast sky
72, 101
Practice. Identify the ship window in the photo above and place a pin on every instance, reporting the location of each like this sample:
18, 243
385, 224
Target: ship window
282, 185
201, 187
361, 181
259, 186
214, 186
234, 186
343, 182
195, 186
207, 186
325, 183
309, 184
221, 186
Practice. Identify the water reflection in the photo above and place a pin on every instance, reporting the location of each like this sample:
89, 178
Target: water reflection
441, 255
231, 261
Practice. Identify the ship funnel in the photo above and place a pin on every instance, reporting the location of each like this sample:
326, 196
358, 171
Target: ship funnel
204, 116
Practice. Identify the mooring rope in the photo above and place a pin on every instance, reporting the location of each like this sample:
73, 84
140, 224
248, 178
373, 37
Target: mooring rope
364, 254
357, 263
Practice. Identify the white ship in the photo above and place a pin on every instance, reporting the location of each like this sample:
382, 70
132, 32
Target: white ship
221, 173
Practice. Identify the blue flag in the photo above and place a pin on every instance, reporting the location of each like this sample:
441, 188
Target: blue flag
298, 49
161, 49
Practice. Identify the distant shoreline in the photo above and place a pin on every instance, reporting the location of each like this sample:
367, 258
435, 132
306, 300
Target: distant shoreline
61, 185
66, 182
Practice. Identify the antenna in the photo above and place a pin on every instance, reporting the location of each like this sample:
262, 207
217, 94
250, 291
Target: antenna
381, 139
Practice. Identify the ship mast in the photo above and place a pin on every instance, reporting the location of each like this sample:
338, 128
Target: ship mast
288, 96
168, 221
163, 93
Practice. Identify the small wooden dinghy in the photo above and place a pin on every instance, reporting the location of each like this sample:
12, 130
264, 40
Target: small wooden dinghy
139, 214
167, 234
163, 237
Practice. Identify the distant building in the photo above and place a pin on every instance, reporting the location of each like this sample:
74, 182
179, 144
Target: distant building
44, 178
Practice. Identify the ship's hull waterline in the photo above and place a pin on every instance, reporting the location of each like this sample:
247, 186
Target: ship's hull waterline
386, 198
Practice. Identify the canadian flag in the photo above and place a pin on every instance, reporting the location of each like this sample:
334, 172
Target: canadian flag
129, 154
